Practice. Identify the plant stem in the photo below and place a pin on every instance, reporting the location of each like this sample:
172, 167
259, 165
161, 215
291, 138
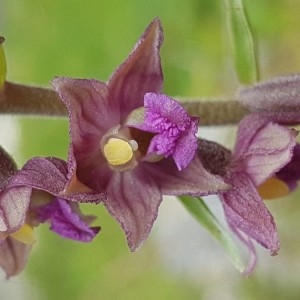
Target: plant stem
28, 100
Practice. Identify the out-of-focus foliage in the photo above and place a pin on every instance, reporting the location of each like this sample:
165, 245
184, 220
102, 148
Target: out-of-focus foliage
201, 212
2, 64
242, 42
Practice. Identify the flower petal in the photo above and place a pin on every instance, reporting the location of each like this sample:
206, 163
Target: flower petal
175, 129
92, 113
193, 180
14, 204
245, 211
65, 222
140, 73
13, 256
290, 173
50, 175
262, 147
133, 199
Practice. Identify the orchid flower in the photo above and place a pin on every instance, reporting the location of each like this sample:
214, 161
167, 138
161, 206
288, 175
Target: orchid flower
277, 98
131, 142
31, 196
262, 150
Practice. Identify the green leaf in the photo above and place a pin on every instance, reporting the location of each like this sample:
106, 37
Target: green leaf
2, 63
242, 42
200, 211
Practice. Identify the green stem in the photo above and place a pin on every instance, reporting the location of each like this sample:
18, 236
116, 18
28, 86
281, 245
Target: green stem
28, 100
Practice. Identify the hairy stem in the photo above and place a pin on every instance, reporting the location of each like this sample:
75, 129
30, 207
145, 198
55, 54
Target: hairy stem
28, 100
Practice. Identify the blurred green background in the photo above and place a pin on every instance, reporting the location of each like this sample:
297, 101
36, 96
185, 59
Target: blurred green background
90, 39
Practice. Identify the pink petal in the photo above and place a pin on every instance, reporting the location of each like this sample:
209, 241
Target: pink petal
193, 180
245, 211
14, 204
50, 175
140, 73
133, 199
13, 256
262, 147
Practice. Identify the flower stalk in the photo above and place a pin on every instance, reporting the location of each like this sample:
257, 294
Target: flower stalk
30, 100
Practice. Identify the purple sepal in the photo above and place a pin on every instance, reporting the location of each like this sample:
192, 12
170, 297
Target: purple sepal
13, 256
290, 173
65, 220
262, 147
49, 174
245, 211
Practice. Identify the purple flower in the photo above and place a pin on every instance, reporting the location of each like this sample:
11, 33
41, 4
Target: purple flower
262, 149
124, 141
13, 256
277, 98
29, 197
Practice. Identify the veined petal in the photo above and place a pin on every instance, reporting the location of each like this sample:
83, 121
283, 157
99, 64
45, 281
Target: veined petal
140, 73
13, 256
262, 148
50, 175
193, 180
133, 199
14, 204
245, 211
91, 109
66, 222
92, 113
290, 173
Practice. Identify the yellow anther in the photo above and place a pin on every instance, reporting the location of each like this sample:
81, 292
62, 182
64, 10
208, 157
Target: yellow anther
118, 152
273, 188
24, 234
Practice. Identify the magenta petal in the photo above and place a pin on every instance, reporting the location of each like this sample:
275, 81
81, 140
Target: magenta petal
14, 204
140, 73
92, 112
175, 130
50, 175
13, 256
245, 211
133, 199
89, 104
290, 173
67, 223
262, 148
193, 180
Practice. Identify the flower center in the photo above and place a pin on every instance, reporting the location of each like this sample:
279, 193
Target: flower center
119, 152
